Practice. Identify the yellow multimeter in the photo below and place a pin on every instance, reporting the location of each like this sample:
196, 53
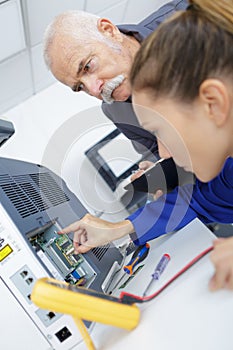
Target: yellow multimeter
82, 303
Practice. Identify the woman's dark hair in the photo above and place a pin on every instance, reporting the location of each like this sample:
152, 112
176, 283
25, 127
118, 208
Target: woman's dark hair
186, 49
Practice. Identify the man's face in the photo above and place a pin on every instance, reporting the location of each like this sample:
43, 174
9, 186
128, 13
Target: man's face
97, 68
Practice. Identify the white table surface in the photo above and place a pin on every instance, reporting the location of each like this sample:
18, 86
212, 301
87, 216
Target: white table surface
186, 315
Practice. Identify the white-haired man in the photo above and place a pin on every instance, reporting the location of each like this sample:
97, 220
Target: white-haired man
91, 54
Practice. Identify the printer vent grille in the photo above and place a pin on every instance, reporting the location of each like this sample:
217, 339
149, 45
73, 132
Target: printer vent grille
22, 203
50, 188
99, 252
32, 193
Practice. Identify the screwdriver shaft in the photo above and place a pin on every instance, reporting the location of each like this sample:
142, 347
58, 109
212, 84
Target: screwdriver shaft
158, 271
147, 288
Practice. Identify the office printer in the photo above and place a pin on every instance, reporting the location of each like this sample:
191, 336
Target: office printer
35, 204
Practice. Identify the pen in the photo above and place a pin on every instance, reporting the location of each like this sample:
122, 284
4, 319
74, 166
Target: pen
158, 270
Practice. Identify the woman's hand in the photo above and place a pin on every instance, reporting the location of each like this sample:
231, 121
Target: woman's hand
90, 232
222, 258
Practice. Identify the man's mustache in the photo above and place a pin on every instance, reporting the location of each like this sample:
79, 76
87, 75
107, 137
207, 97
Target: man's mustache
110, 86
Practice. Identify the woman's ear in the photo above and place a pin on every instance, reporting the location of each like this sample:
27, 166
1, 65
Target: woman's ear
214, 94
107, 28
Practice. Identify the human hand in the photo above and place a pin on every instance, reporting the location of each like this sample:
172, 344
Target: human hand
143, 166
222, 258
90, 232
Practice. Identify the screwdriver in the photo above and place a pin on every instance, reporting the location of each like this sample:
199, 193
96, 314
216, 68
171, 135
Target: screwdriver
138, 256
158, 271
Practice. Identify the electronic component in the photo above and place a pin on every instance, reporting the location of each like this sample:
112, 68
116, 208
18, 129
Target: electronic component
73, 268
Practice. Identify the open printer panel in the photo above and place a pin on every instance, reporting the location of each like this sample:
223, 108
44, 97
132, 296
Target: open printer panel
40, 204
35, 204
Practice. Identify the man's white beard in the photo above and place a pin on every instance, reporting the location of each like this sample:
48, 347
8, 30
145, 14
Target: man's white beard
110, 86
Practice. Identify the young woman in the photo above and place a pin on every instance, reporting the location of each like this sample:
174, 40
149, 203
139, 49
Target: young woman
183, 74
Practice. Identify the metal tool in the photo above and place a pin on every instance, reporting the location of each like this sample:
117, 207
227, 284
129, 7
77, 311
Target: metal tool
138, 256
158, 271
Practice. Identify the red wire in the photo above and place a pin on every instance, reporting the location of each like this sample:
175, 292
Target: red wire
136, 298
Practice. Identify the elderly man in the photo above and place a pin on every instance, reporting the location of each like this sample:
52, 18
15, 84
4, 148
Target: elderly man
91, 54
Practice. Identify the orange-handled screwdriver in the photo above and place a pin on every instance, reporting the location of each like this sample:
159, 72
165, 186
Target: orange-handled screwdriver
139, 255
